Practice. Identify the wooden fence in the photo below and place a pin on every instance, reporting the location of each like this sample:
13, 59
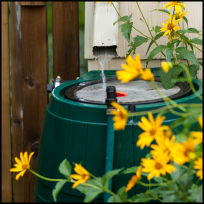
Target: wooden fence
27, 50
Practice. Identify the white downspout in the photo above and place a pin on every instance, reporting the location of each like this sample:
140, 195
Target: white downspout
105, 34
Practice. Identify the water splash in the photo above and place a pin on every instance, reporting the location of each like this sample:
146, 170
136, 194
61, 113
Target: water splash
104, 59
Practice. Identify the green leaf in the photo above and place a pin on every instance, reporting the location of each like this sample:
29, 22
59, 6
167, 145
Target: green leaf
179, 57
184, 52
193, 30
196, 193
65, 168
169, 51
57, 188
90, 193
122, 194
190, 30
162, 10
186, 183
157, 29
126, 30
166, 78
148, 155
126, 18
141, 197
154, 52
186, 122
197, 41
193, 69
186, 20
161, 191
139, 40
178, 43
172, 197
159, 35
110, 174
201, 63
179, 171
158, 179
114, 199
97, 183
130, 170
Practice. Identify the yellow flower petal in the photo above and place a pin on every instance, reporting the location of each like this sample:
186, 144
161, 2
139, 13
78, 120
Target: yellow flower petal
76, 176
20, 174
31, 154
78, 182
22, 158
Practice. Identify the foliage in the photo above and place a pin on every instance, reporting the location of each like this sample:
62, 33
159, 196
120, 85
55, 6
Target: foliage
173, 52
175, 159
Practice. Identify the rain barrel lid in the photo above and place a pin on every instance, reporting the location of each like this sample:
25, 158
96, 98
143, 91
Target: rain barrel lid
138, 91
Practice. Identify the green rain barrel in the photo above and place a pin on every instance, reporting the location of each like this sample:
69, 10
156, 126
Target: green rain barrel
77, 131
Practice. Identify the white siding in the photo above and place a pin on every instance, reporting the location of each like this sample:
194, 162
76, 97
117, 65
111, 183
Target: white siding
194, 17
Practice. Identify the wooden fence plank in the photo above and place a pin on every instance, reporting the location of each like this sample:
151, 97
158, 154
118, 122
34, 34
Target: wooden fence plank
17, 109
65, 40
32, 3
34, 82
6, 187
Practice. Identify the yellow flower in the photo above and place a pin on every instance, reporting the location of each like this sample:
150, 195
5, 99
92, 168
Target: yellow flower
147, 75
109, 1
22, 164
82, 175
170, 28
198, 135
164, 146
152, 128
199, 165
176, 5
184, 152
120, 116
157, 166
172, 35
131, 71
178, 15
166, 66
134, 179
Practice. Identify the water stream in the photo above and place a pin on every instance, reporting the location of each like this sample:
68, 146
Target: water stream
104, 59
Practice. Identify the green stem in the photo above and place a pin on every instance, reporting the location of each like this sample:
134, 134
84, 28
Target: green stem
156, 17
105, 188
127, 22
160, 110
191, 44
42, 177
144, 19
189, 80
155, 198
166, 183
167, 99
149, 28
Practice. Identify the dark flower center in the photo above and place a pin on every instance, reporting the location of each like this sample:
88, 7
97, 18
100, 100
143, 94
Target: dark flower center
152, 132
158, 166
25, 166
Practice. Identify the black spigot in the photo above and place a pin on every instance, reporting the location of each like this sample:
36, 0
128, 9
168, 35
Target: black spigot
131, 107
111, 96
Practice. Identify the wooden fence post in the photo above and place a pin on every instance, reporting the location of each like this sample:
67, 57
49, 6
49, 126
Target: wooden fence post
29, 54
17, 105
65, 40
34, 81
6, 185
